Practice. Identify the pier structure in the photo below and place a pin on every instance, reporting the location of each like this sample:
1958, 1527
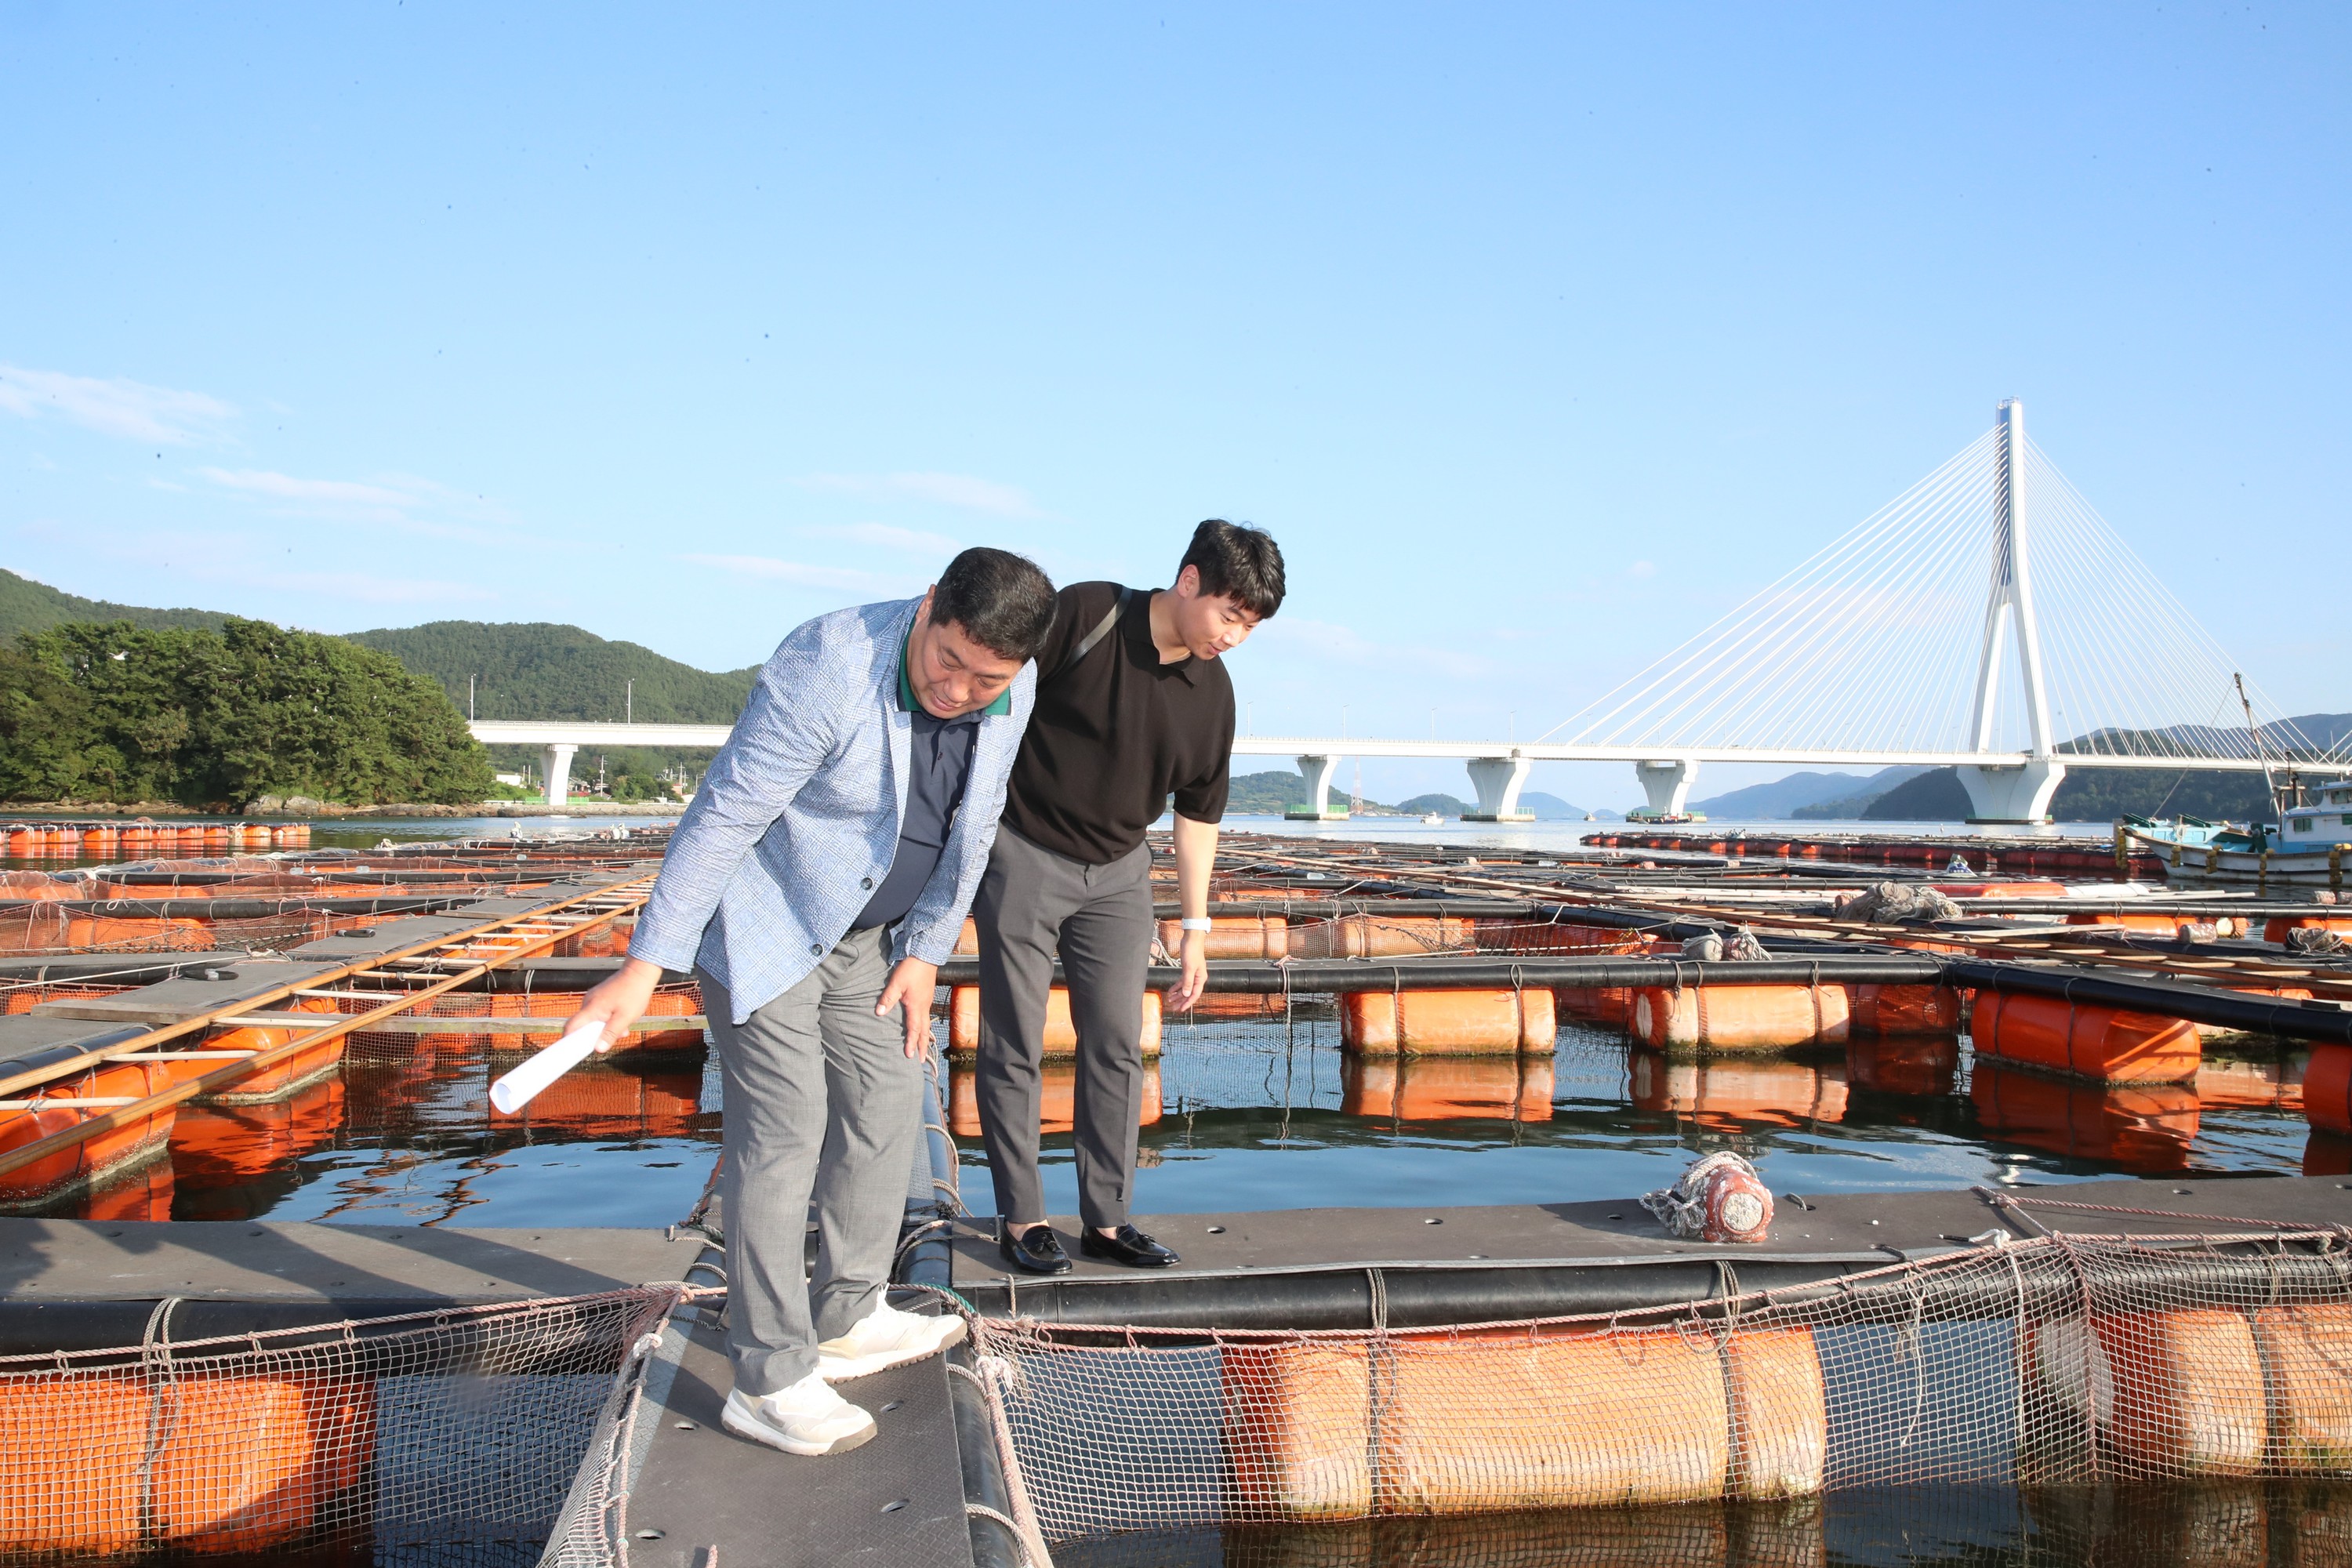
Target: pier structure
1928, 635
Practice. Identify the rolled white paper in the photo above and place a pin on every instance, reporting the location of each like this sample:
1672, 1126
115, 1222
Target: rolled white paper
515, 1090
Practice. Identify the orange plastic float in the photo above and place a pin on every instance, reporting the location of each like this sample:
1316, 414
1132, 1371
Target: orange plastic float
1583, 1421
1057, 1099
238, 1464
2327, 1087
669, 1002
1447, 1089
1061, 1034
1905, 1010
1235, 936
301, 1069
2279, 925
96, 1159
2143, 1128
2175, 1393
1729, 1095
2083, 1041
1740, 1018
1380, 936
2002, 890
2307, 1351
1447, 1022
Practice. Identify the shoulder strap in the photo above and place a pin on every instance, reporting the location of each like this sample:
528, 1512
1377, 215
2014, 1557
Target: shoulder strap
1102, 629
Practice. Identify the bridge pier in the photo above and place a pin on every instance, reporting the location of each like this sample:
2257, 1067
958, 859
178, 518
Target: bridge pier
1667, 782
1498, 781
556, 766
2012, 794
1315, 804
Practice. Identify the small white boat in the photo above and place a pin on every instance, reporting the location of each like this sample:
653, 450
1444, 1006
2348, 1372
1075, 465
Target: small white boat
1434, 820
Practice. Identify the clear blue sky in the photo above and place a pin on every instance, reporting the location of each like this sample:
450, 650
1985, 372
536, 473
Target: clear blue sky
1538, 335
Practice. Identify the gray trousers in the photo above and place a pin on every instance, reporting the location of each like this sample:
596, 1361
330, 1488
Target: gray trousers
1032, 900
821, 1099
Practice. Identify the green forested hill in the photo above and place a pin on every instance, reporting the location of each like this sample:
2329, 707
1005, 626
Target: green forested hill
541, 671
29, 606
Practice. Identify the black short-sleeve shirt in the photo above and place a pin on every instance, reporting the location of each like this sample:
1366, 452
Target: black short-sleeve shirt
1115, 735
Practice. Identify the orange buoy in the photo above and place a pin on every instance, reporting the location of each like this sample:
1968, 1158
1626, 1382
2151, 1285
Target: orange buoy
2002, 890
96, 1159
2101, 1043
1513, 1420
2276, 927
1380, 936
1611, 1005
1061, 1034
220, 1464
1740, 1018
281, 1079
2327, 1087
1447, 1022
1447, 1089
2142, 1128
684, 1000
1238, 1005
1906, 1010
1732, 1096
1057, 1099
2175, 1393
2307, 1351
1235, 936
1780, 1413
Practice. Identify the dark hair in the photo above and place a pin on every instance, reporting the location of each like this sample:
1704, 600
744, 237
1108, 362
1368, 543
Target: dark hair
1243, 561
1001, 600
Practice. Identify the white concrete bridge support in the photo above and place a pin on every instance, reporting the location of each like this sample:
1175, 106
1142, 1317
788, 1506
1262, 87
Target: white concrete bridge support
2011, 795
1315, 804
1498, 781
1667, 783
556, 766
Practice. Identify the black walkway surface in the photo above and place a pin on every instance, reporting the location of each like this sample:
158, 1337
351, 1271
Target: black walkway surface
715, 1499
1314, 1267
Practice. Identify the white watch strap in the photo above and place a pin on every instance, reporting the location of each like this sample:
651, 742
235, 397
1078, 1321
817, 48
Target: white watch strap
1195, 925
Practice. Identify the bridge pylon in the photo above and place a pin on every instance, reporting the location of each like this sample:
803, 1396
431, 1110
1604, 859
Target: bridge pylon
2011, 794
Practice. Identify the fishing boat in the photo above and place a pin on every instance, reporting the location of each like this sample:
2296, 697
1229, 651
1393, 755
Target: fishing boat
2307, 848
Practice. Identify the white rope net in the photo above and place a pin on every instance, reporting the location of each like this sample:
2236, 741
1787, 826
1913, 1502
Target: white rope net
2065, 1362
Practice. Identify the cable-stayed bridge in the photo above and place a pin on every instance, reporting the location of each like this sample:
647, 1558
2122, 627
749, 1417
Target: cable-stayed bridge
1987, 619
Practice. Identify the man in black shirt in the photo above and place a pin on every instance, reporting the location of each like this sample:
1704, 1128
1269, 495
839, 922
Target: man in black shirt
1133, 708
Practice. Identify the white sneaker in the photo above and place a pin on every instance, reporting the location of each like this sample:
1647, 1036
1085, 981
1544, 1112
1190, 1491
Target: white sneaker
808, 1417
884, 1337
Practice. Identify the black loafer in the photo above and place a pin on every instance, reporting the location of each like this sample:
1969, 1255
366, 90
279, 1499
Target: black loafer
1037, 1250
1128, 1246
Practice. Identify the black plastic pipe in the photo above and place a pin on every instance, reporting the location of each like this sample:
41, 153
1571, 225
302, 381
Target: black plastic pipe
246, 909
1323, 977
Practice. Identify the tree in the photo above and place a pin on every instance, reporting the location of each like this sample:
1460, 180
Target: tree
216, 718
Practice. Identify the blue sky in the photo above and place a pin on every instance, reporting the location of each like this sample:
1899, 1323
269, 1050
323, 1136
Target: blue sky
1539, 336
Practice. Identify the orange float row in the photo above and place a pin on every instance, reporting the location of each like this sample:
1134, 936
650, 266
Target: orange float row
106, 840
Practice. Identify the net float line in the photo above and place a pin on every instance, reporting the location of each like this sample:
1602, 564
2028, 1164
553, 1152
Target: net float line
2205, 965
630, 896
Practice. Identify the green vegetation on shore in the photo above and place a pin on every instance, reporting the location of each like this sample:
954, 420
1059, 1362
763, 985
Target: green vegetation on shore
116, 711
542, 670
29, 606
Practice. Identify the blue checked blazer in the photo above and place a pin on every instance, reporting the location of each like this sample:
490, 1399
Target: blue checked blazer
797, 821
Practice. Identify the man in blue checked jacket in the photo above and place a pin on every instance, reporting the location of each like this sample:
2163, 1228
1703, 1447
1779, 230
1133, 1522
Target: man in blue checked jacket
813, 887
